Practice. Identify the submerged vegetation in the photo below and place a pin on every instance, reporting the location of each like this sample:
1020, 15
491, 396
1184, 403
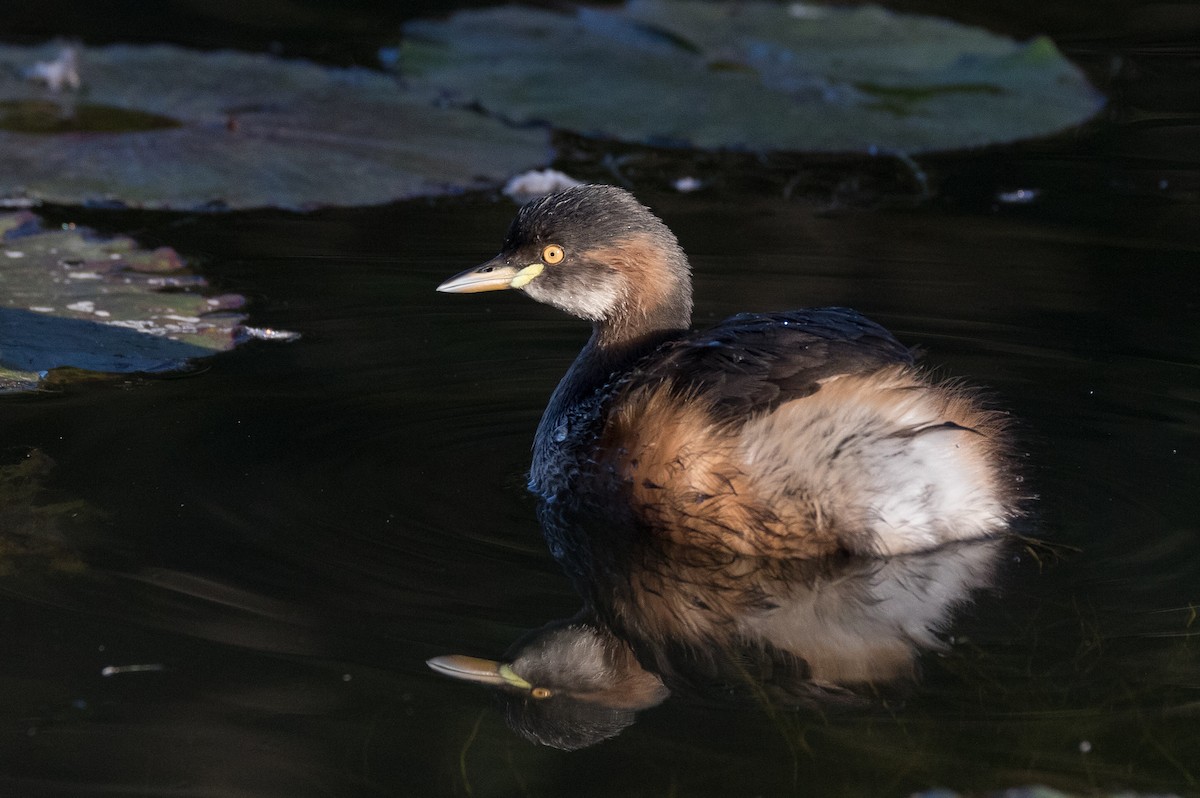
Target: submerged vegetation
32, 533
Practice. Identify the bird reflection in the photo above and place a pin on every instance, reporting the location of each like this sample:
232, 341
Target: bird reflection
783, 503
661, 616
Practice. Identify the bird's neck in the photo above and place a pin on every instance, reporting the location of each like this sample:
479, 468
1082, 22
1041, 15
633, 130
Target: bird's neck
601, 359
574, 407
635, 323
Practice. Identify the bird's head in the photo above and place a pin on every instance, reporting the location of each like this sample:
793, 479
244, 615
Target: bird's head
567, 685
597, 253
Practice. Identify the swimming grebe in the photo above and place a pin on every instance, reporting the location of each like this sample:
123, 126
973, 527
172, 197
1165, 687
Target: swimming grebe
793, 434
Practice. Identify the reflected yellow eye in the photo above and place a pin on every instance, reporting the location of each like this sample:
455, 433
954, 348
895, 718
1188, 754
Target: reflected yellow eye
544, 692
553, 254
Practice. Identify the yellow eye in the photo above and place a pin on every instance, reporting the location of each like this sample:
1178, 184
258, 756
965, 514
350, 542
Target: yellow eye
543, 692
553, 254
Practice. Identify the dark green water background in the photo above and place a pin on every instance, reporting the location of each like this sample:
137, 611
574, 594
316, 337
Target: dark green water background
289, 532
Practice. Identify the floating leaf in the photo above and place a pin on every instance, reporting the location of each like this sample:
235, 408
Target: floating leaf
753, 75
70, 299
165, 127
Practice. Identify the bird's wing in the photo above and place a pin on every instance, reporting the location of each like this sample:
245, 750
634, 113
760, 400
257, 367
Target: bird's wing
752, 362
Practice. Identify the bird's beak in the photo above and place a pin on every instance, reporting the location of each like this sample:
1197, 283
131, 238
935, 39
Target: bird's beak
495, 275
480, 671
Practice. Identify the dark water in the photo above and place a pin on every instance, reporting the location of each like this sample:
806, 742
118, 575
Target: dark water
285, 535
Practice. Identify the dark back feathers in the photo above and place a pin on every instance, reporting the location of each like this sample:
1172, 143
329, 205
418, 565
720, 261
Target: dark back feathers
752, 362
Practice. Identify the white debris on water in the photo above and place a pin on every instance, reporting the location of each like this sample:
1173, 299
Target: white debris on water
269, 334
1020, 196
115, 670
537, 183
62, 72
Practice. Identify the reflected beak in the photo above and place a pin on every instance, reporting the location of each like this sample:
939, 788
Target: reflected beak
480, 671
495, 275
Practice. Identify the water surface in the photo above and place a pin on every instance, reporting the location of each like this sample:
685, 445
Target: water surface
284, 535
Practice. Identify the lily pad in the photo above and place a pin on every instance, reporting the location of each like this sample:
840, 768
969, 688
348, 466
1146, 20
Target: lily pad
166, 127
71, 299
753, 76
